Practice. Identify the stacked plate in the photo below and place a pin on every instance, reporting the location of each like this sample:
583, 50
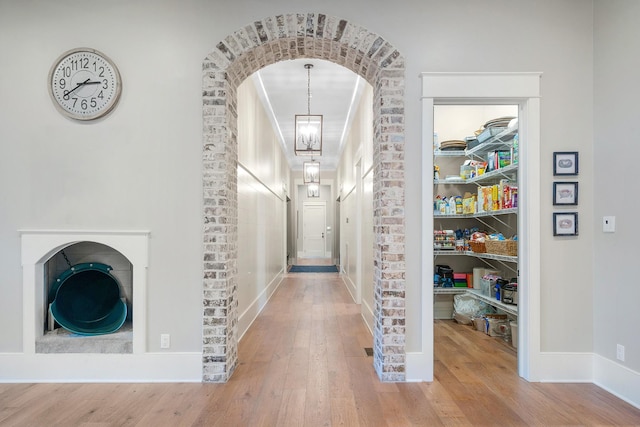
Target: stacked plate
500, 122
453, 144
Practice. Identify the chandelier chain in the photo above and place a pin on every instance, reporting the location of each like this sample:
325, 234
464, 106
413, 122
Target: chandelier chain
308, 91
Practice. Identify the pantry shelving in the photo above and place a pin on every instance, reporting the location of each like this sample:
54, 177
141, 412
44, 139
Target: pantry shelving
499, 141
495, 257
487, 218
478, 214
507, 308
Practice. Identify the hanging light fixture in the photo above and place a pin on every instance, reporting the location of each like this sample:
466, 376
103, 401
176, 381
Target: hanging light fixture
311, 172
313, 190
308, 127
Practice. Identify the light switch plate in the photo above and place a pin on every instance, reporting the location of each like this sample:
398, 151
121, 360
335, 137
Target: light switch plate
609, 224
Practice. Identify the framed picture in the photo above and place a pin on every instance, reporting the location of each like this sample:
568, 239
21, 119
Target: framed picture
565, 224
565, 163
565, 193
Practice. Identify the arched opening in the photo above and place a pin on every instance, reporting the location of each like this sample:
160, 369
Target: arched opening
89, 291
43, 262
235, 58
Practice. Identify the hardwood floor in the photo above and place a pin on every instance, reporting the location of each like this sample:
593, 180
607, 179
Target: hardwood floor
303, 363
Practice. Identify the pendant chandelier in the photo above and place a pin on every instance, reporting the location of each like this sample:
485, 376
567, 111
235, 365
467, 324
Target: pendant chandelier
311, 172
313, 190
308, 127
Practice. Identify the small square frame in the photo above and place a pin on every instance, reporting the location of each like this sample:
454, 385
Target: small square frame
565, 193
565, 163
565, 223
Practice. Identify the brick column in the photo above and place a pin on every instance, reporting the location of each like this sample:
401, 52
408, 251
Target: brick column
219, 157
389, 226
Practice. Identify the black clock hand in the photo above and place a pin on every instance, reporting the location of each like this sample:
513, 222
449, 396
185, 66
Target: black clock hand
77, 86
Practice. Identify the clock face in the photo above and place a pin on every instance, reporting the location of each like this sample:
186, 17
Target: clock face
84, 84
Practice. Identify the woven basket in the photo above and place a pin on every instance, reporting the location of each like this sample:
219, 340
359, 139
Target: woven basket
478, 247
502, 247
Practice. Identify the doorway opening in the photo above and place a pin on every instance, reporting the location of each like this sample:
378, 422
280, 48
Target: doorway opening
476, 159
314, 230
477, 89
261, 43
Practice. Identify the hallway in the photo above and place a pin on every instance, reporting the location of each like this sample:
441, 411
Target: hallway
303, 363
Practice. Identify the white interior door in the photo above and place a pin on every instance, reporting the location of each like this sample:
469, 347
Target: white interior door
314, 224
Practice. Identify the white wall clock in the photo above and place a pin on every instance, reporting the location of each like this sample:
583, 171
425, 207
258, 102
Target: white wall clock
84, 84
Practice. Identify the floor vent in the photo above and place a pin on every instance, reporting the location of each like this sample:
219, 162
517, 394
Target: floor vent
369, 351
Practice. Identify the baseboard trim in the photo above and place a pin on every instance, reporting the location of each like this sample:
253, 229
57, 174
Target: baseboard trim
351, 287
82, 367
246, 319
416, 367
618, 380
367, 315
565, 367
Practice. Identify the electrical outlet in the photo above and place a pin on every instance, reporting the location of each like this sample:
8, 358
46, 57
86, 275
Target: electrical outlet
620, 352
609, 224
165, 340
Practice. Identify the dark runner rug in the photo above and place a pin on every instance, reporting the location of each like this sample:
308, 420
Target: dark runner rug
313, 269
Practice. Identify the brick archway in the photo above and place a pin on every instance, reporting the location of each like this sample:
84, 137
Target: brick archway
240, 54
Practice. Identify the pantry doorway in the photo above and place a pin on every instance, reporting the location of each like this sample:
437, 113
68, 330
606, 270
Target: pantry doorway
523, 90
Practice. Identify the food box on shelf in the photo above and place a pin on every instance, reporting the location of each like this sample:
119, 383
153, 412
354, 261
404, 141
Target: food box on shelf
460, 280
444, 240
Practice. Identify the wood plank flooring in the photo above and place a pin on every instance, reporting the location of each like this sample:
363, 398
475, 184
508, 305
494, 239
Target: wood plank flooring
302, 363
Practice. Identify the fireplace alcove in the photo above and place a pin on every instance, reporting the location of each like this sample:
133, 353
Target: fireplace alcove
80, 273
37, 247
43, 261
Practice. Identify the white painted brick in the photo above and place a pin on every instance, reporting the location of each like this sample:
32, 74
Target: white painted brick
238, 56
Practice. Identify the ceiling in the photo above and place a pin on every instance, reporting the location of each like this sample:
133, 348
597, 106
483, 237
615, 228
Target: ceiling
335, 93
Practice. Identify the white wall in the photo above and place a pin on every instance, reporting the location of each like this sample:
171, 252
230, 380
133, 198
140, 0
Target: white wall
140, 167
355, 181
367, 242
616, 126
262, 171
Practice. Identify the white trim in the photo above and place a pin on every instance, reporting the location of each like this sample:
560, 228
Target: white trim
73, 367
360, 253
246, 319
366, 311
522, 89
617, 379
348, 283
417, 370
529, 347
613, 376
561, 367
481, 85
422, 367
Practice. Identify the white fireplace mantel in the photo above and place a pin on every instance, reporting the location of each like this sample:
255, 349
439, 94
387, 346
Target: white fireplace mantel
38, 246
